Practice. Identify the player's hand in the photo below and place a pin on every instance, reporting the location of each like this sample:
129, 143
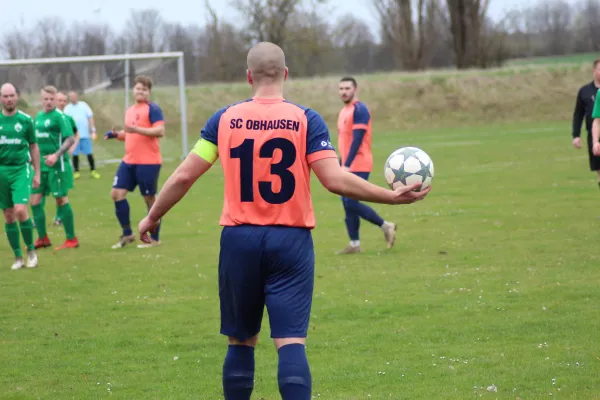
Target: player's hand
596, 149
94, 136
577, 142
146, 227
406, 194
112, 134
36, 180
51, 159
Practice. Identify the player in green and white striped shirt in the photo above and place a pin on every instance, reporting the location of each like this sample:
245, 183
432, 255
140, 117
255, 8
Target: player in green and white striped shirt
18, 146
55, 138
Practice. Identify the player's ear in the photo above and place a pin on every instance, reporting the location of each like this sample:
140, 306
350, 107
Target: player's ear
249, 76
285, 73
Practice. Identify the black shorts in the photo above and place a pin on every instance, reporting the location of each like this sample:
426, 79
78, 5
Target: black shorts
594, 160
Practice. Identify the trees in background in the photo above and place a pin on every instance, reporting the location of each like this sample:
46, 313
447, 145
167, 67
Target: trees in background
411, 35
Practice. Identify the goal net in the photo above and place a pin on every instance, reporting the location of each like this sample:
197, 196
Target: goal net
105, 83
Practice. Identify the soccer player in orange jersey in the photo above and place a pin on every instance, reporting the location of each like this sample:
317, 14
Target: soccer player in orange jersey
267, 147
144, 126
354, 144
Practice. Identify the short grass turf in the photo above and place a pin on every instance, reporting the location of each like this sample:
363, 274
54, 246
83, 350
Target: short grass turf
492, 290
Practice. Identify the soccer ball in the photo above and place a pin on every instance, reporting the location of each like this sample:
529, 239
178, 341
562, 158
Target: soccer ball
408, 166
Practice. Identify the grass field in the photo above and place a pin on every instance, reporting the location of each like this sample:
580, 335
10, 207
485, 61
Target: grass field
579, 58
493, 281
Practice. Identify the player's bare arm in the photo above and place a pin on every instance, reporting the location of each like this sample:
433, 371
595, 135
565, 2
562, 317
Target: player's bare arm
51, 159
341, 182
76, 139
156, 131
578, 117
596, 136
34, 150
175, 188
92, 128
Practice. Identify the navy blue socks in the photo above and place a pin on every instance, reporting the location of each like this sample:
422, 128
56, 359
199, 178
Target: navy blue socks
238, 373
122, 211
293, 373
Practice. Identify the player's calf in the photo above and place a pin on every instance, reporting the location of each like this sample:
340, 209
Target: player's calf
238, 372
122, 212
66, 213
293, 372
12, 234
39, 216
26, 227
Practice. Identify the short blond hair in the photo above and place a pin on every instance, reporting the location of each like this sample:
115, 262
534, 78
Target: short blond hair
50, 89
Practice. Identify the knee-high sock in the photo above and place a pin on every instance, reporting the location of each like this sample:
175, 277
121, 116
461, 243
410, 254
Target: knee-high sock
238, 373
91, 161
27, 233
293, 373
122, 212
12, 233
39, 217
66, 212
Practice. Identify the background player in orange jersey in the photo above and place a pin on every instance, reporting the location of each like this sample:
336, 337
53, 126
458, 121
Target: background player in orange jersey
354, 144
267, 147
144, 126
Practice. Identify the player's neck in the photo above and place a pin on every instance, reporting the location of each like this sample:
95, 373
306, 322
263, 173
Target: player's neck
269, 92
9, 113
597, 84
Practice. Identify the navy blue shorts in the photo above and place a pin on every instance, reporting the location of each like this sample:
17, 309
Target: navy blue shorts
143, 175
266, 265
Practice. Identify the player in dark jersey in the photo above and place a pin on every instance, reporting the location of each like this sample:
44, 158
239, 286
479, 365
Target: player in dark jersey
267, 147
584, 105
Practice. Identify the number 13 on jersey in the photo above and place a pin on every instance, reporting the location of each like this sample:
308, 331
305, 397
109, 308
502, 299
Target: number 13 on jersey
246, 154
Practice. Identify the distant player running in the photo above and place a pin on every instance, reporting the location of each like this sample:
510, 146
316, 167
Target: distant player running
584, 105
55, 137
18, 145
144, 126
84, 120
267, 147
354, 142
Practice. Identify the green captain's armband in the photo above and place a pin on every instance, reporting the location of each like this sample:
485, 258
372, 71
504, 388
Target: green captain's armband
208, 151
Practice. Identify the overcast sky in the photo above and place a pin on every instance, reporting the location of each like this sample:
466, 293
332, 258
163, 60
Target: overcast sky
116, 12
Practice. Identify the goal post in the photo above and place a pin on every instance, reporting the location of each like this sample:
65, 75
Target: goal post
104, 82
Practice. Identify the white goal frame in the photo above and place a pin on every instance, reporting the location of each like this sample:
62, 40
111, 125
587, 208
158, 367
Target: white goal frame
127, 58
